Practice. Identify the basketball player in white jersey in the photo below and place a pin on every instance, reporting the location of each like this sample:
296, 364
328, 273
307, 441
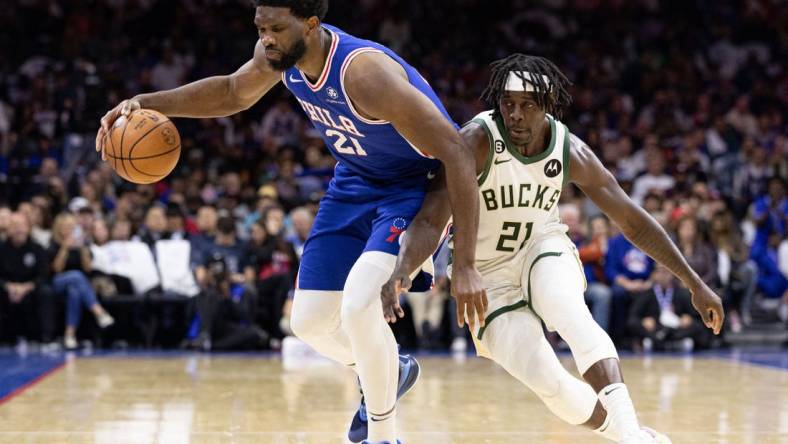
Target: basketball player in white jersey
524, 157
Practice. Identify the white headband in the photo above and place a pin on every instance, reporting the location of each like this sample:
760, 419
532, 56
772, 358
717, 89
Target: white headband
522, 81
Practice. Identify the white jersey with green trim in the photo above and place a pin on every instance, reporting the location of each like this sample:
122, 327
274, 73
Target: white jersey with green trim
518, 195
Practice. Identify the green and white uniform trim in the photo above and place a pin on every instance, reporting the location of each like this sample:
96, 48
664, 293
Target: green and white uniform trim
519, 224
518, 194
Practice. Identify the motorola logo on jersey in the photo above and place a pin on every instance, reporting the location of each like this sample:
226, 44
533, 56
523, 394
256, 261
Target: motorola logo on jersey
499, 146
552, 168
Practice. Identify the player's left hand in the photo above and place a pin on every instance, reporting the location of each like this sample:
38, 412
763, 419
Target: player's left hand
709, 305
389, 296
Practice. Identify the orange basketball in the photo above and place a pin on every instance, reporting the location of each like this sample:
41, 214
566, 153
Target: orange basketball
143, 148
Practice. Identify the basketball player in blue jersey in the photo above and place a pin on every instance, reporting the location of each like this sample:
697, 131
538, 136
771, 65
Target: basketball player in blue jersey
387, 129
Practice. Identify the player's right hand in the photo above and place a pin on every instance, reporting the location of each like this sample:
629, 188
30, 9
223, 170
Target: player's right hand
389, 296
124, 108
709, 306
467, 288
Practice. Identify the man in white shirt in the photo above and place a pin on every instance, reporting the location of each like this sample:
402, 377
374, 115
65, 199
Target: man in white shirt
655, 178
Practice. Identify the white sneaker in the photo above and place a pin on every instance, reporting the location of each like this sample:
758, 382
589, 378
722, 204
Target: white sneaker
105, 320
70, 343
645, 436
659, 438
50, 347
735, 322
21, 346
648, 345
284, 326
459, 345
687, 345
639, 437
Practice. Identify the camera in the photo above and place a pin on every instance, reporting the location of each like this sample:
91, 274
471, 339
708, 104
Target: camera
217, 269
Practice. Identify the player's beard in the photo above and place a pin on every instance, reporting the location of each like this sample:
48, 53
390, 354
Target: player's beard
289, 58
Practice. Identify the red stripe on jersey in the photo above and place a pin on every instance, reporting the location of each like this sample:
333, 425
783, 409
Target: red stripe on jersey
326, 68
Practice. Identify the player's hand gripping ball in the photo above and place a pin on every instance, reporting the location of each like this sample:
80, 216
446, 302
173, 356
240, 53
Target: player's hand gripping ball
143, 147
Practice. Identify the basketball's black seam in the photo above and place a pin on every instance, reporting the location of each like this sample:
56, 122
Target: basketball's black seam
122, 135
144, 173
151, 157
131, 150
145, 157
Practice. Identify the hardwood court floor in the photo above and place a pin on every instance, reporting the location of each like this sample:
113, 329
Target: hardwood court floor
197, 399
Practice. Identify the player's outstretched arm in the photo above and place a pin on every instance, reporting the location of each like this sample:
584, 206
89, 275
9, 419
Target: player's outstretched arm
379, 88
216, 96
418, 244
641, 229
425, 231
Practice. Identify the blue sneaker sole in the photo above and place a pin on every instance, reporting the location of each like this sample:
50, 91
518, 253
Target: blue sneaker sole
410, 379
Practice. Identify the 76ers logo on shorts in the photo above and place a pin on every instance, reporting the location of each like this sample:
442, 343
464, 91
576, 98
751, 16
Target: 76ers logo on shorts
397, 227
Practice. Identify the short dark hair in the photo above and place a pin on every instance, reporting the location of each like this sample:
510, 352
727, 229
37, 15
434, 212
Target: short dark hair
226, 225
299, 8
174, 210
778, 180
552, 97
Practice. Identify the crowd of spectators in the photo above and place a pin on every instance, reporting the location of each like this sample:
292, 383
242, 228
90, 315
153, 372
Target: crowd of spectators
685, 102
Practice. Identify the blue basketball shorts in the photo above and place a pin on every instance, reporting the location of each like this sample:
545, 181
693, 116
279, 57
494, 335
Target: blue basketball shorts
347, 226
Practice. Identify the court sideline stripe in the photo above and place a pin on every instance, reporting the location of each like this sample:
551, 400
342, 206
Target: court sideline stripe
19, 390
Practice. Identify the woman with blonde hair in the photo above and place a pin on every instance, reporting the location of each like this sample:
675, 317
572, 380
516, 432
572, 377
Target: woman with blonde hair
70, 264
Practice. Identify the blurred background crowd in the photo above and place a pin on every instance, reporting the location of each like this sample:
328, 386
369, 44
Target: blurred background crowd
690, 116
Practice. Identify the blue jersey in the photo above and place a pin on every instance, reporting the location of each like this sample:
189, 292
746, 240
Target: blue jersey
371, 149
380, 178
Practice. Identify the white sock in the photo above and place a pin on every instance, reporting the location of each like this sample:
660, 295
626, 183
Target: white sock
377, 366
620, 410
606, 430
382, 427
373, 344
